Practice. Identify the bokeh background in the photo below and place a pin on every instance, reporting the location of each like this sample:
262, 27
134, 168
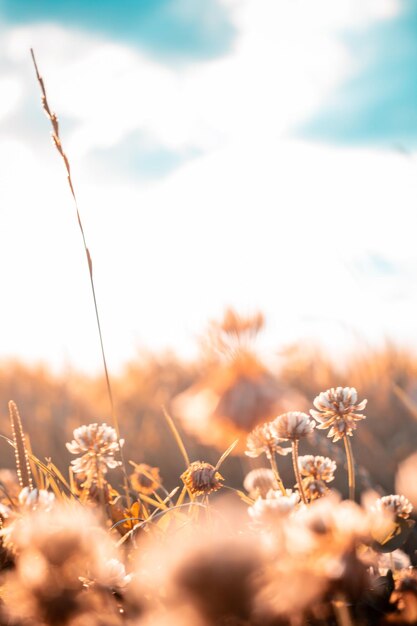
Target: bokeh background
226, 153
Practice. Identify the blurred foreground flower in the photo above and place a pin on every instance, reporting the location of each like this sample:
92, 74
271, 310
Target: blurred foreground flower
237, 393
268, 510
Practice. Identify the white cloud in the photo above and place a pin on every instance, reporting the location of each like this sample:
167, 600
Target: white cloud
256, 221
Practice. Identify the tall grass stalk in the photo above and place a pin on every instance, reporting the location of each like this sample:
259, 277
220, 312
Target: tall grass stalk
58, 145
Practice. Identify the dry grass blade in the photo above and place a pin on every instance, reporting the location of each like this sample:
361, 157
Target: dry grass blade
58, 144
24, 474
405, 399
177, 436
226, 454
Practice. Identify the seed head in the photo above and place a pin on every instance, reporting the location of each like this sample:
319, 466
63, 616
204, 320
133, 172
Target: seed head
293, 425
202, 478
264, 438
400, 506
337, 408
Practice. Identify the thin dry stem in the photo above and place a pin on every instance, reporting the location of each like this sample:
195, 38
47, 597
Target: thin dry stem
276, 472
58, 145
351, 467
297, 471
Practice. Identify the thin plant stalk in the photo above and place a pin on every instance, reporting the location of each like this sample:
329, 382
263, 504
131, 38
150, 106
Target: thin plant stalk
58, 145
274, 467
351, 467
297, 471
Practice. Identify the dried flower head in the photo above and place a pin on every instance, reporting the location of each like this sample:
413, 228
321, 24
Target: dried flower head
293, 425
400, 506
337, 408
99, 443
264, 439
259, 481
202, 478
267, 510
145, 479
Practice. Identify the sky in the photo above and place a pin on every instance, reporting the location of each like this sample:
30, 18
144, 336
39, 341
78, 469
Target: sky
258, 154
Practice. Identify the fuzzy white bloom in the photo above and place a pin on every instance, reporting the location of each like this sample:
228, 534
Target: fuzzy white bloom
114, 575
259, 481
99, 443
275, 505
264, 439
337, 409
400, 506
36, 499
293, 425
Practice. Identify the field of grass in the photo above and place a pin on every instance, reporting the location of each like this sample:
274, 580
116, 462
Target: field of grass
220, 492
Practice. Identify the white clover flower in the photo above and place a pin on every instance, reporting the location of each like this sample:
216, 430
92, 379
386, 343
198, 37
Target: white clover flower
400, 506
264, 439
337, 408
36, 499
259, 481
99, 443
293, 425
275, 505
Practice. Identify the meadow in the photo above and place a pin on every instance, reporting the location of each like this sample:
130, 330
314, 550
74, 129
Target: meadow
216, 492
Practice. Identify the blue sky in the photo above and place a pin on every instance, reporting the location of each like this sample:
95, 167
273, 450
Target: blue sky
226, 153
172, 29
377, 105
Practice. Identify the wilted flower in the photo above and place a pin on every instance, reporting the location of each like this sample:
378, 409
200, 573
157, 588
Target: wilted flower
266, 510
202, 478
293, 425
264, 438
259, 481
145, 479
36, 499
337, 408
400, 506
99, 443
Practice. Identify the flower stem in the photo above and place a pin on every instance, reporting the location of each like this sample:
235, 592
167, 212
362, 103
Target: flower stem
297, 470
276, 472
351, 467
